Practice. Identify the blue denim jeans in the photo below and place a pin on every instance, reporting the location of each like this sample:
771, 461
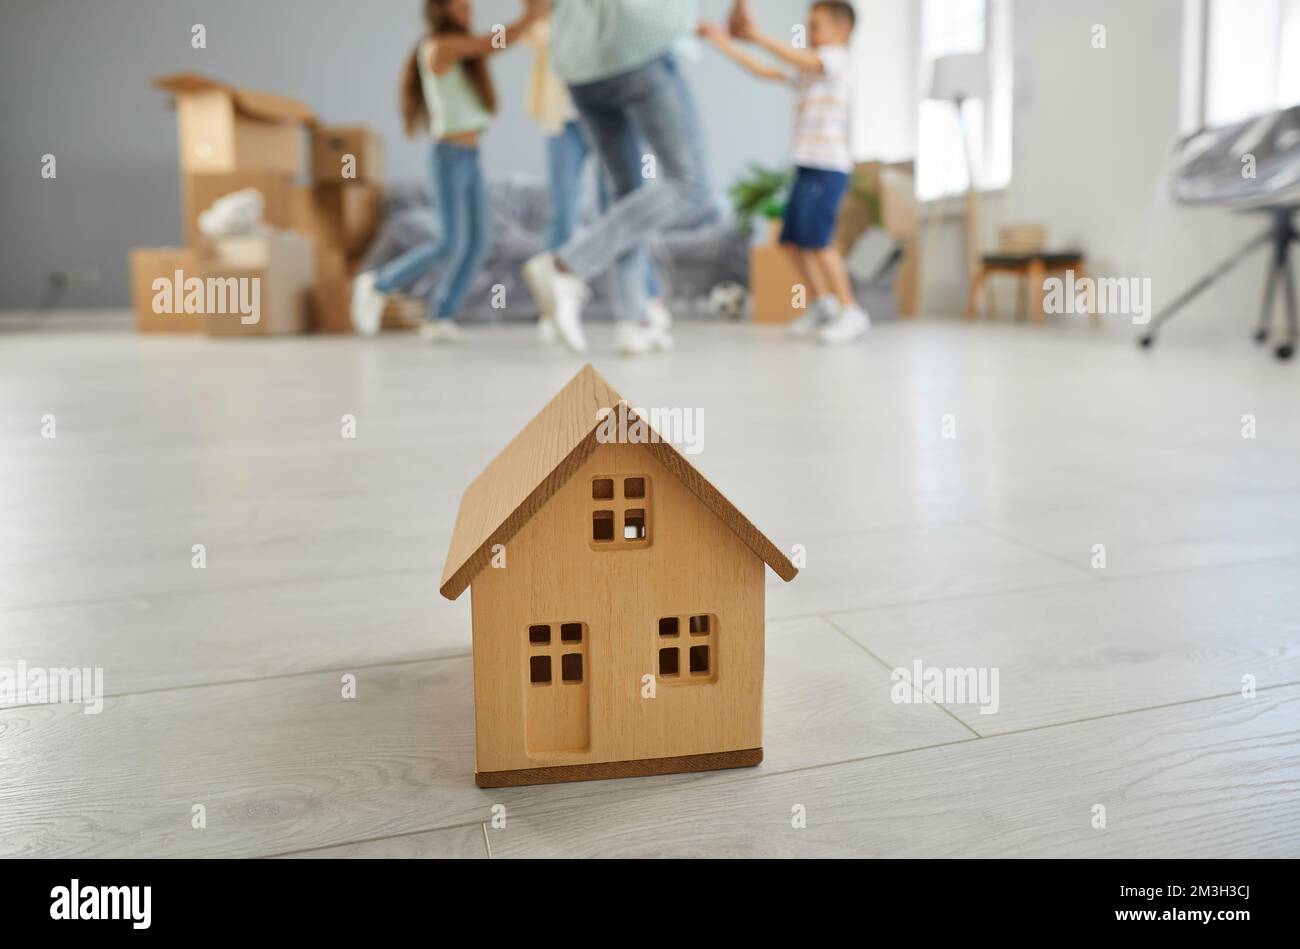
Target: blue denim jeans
566, 153
464, 232
652, 104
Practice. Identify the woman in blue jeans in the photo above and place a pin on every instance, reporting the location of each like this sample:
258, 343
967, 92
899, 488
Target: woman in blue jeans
616, 58
566, 154
447, 90
567, 150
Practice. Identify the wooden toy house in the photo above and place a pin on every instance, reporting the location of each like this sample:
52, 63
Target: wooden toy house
617, 604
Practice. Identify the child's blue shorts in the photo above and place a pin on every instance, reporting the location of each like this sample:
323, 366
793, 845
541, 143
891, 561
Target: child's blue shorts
812, 206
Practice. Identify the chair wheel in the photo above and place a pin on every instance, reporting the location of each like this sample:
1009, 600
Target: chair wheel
1146, 341
1261, 336
1285, 351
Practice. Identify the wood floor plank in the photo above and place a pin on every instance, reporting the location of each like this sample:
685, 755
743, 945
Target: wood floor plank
1210, 779
287, 764
1141, 537
827, 700
1081, 651
452, 843
165, 566
860, 569
273, 629
279, 765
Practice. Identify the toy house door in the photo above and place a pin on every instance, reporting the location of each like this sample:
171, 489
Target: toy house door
557, 705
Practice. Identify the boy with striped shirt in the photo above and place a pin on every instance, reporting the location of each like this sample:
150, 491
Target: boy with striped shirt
822, 159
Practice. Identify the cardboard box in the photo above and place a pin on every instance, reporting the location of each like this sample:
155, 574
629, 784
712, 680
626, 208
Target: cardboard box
199, 191
332, 308
331, 147
885, 194
331, 263
342, 215
224, 128
773, 278
331, 305
149, 264
899, 211
404, 313
283, 267
331, 298
878, 194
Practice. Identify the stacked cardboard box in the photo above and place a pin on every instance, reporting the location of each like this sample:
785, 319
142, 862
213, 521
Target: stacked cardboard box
232, 139
266, 281
154, 273
340, 210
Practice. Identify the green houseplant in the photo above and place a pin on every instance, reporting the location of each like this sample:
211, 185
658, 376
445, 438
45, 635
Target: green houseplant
760, 191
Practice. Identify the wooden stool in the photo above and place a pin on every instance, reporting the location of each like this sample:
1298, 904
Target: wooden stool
1020, 253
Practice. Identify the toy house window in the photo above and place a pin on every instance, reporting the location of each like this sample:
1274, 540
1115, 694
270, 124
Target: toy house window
688, 648
556, 647
620, 512
571, 667
539, 670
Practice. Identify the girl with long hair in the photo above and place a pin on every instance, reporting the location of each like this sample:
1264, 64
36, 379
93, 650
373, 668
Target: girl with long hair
447, 93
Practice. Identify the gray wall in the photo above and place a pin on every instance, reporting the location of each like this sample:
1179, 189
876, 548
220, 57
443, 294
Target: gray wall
74, 82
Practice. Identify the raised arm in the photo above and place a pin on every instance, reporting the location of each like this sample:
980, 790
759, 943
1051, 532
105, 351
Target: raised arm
804, 60
453, 47
725, 45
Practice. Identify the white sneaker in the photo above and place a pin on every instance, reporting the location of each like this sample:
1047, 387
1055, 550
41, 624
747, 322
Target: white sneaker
821, 312
570, 294
851, 323
539, 273
367, 304
546, 331
660, 317
637, 339
442, 331
560, 297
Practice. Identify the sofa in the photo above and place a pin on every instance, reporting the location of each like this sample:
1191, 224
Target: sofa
691, 260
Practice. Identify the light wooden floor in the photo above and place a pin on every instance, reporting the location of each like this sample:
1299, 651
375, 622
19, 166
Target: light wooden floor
1120, 686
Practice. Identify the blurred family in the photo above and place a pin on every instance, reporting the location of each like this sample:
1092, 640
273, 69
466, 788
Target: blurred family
606, 83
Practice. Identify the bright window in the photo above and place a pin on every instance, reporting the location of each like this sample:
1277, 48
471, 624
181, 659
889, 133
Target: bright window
965, 26
1249, 58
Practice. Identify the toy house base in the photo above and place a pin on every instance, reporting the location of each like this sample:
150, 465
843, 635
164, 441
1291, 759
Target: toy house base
604, 770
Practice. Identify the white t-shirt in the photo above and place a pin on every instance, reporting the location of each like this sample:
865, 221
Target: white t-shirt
821, 121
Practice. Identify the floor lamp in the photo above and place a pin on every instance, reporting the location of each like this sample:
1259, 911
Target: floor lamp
955, 79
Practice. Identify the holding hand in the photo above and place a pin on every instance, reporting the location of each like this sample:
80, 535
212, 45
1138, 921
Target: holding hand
712, 32
741, 22
721, 38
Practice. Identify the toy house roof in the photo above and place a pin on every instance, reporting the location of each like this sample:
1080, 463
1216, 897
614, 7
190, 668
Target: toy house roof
541, 459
